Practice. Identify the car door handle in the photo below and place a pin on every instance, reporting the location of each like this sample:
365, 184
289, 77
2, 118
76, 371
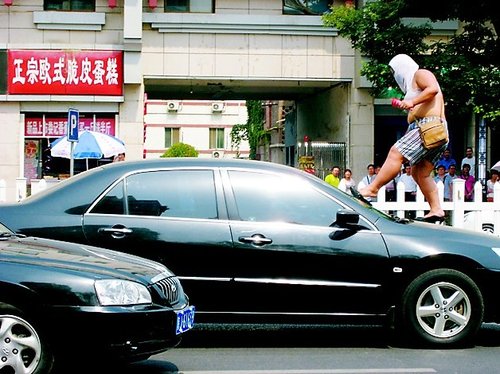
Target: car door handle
256, 239
116, 230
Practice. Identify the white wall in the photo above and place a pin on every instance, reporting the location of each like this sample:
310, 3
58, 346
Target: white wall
194, 119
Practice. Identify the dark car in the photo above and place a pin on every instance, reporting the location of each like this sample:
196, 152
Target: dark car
60, 301
254, 242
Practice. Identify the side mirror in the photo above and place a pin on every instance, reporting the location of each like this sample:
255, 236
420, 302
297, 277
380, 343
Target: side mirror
347, 221
346, 218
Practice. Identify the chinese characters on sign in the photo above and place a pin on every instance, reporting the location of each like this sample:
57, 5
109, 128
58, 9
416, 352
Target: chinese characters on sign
56, 127
65, 72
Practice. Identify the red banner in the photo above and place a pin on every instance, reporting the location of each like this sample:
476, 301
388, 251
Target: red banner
56, 127
37, 72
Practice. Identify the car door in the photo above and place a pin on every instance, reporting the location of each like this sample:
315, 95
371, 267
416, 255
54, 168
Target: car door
176, 217
292, 258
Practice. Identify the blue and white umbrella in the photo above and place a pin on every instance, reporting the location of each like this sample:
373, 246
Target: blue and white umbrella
90, 144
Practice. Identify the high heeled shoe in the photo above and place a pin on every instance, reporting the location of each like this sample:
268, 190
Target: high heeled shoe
431, 219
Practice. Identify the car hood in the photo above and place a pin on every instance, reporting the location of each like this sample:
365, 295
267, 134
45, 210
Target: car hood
101, 262
426, 240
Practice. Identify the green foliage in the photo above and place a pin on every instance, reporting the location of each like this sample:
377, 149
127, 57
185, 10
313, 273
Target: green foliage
180, 150
377, 32
253, 130
376, 29
466, 66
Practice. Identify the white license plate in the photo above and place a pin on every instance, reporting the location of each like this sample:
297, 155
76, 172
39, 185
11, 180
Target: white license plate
185, 320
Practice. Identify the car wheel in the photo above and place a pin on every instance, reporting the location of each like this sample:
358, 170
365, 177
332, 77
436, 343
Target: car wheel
442, 307
21, 347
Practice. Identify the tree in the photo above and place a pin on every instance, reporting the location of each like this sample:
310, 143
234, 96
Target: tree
180, 150
253, 130
482, 11
466, 66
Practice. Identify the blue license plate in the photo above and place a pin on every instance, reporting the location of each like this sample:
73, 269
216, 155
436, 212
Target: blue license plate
185, 320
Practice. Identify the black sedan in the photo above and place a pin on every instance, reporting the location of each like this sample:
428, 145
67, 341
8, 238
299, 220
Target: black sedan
259, 242
61, 301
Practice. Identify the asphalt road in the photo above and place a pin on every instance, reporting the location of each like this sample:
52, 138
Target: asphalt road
311, 350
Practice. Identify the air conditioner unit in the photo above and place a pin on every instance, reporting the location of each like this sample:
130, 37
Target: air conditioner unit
217, 154
173, 106
217, 106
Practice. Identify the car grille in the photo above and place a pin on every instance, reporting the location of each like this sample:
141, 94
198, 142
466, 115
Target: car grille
170, 289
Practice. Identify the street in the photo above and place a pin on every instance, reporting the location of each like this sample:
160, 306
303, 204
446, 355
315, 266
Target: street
311, 350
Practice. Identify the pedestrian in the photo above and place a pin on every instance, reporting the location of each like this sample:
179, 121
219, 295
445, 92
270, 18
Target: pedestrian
410, 188
370, 176
391, 189
469, 159
490, 185
424, 102
469, 183
442, 177
333, 178
347, 182
448, 186
446, 160
119, 157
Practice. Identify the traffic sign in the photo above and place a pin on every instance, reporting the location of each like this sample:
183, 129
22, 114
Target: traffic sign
73, 121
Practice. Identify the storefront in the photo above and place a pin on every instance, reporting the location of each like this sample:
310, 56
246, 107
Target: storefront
57, 80
41, 129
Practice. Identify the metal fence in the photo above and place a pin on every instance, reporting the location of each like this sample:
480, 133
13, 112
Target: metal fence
326, 155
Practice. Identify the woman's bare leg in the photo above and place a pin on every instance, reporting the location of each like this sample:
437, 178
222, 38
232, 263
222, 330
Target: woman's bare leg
421, 172
388, 171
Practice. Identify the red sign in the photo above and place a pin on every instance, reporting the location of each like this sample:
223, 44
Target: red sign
36, 72
56, 127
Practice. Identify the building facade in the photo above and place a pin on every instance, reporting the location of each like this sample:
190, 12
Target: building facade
121, 63
205, 125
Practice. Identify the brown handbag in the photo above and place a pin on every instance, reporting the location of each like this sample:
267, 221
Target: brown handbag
433, 133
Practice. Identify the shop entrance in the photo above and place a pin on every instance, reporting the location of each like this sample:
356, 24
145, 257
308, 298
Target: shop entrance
41, 129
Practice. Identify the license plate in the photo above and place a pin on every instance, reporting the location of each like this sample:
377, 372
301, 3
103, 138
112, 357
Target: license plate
185, 320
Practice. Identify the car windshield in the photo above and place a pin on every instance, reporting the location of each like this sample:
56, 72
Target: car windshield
380, 213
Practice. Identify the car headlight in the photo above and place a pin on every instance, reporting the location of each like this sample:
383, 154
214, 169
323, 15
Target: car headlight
121, 292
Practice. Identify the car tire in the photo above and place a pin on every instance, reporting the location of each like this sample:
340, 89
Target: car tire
442, 307
33, 355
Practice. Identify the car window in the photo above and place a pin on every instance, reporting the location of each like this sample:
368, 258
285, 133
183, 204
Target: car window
172, 193
112, 202
269, 197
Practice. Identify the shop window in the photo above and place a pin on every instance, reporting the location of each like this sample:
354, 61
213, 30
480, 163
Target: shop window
189, 6
306, 7
70, 5
171, 136
42, 129
216, 139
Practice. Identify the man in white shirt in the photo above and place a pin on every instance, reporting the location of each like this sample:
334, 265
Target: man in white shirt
410, 188
370, 176
469, 159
